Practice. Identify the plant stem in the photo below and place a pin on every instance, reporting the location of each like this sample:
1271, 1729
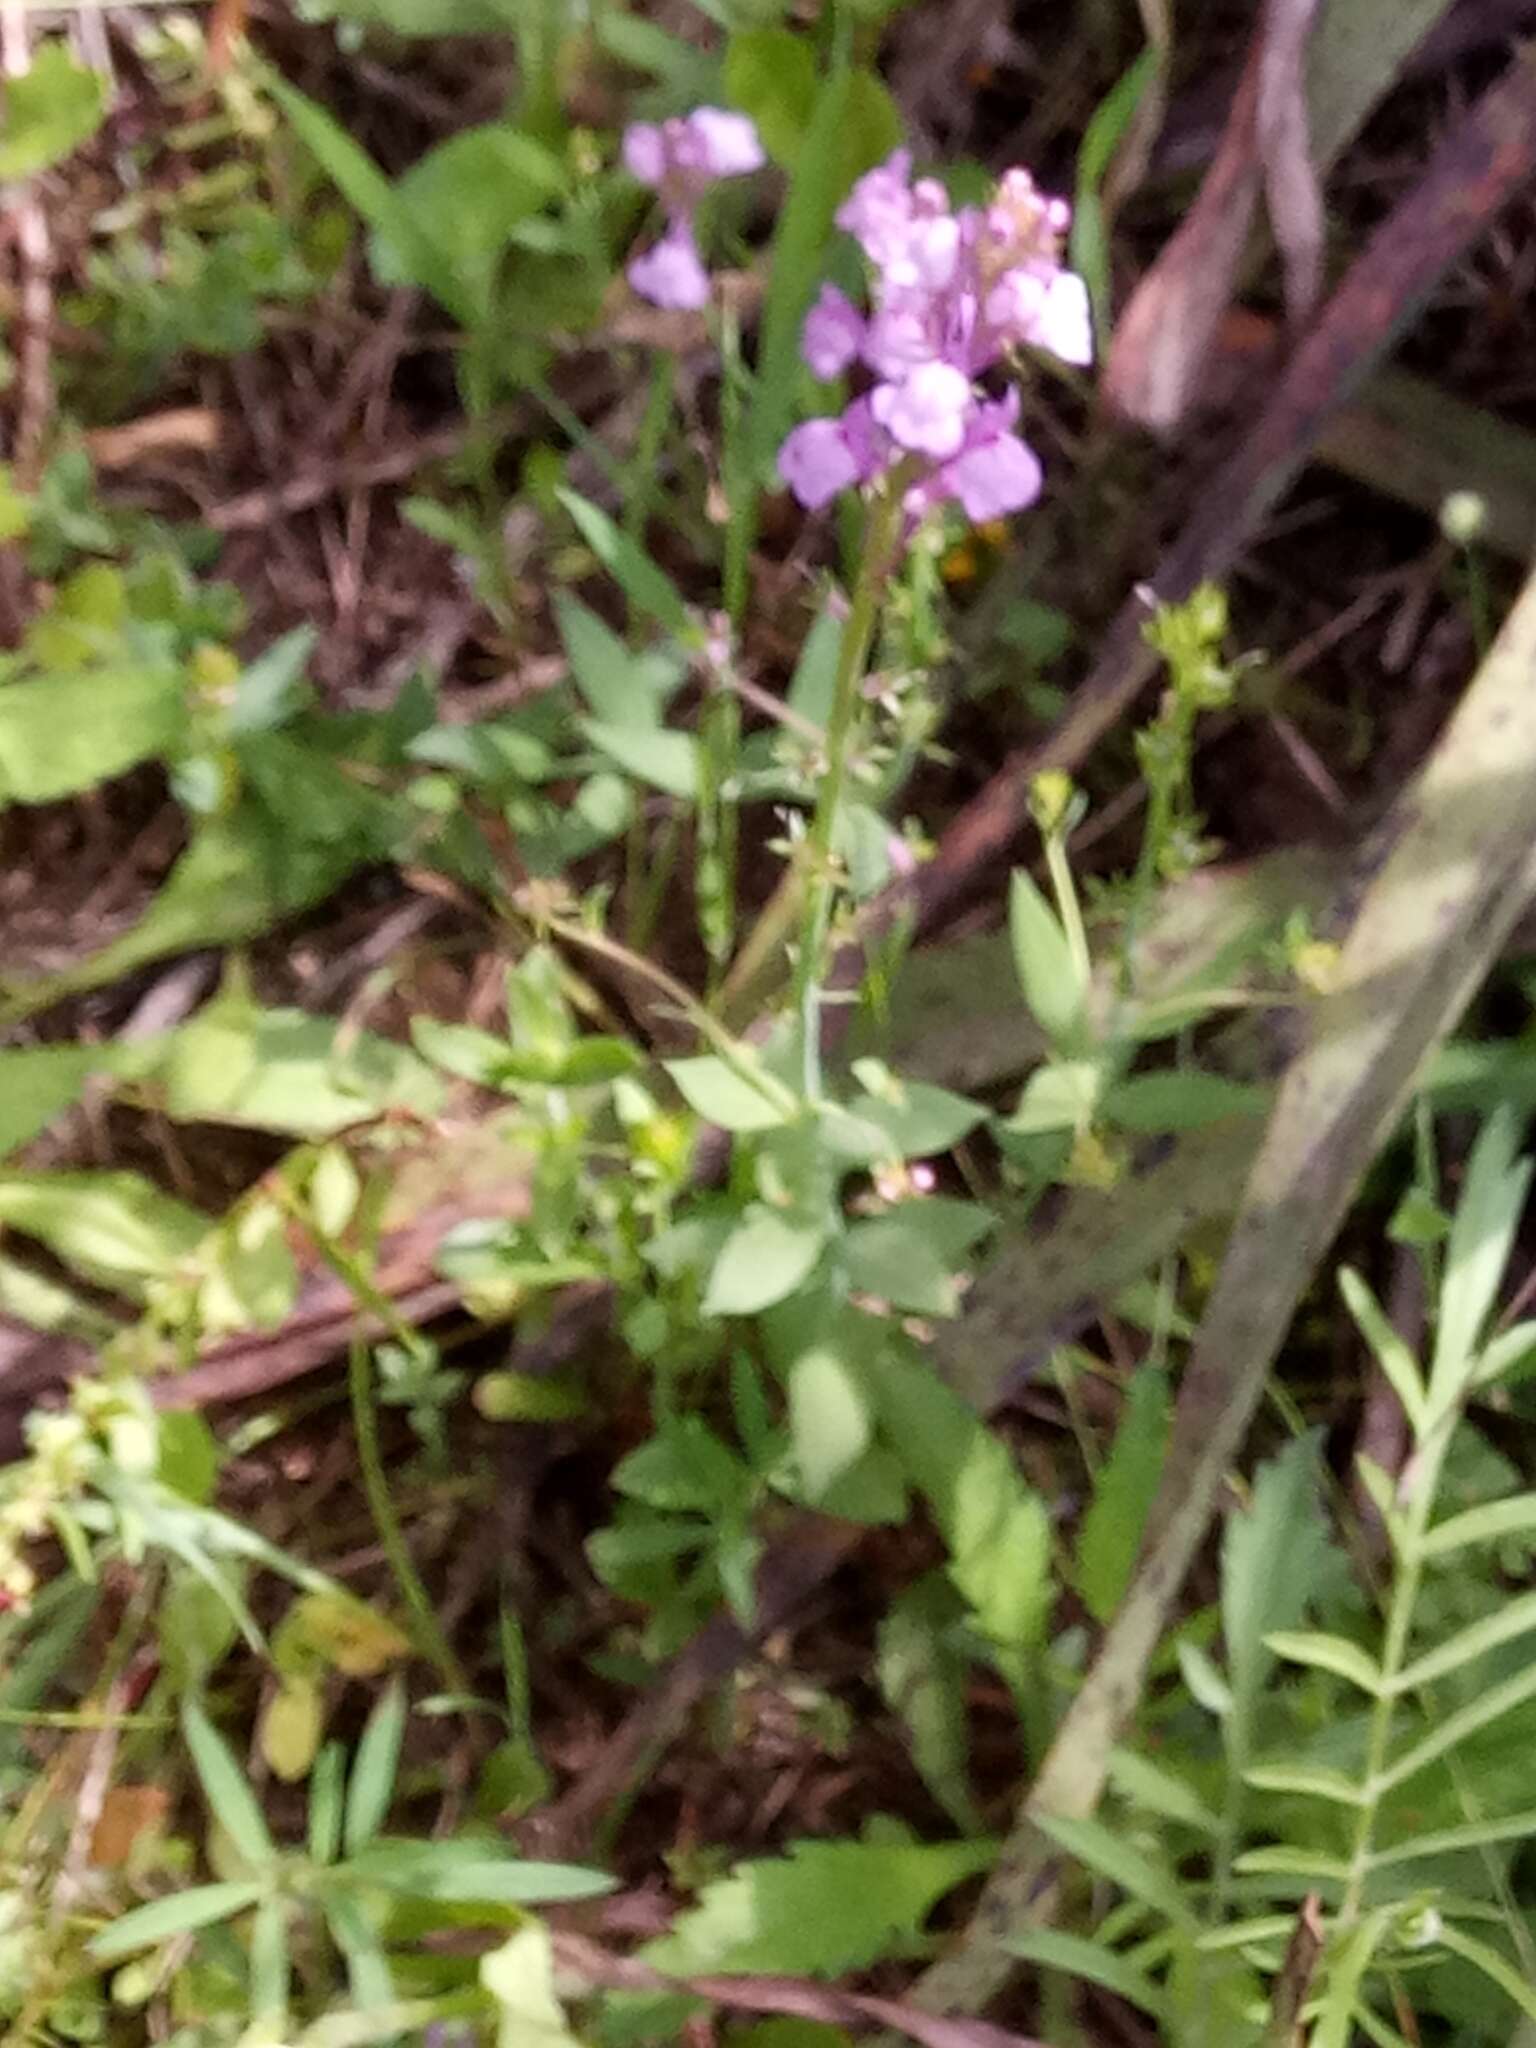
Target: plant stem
881, 533
1406, 1579
430, 1639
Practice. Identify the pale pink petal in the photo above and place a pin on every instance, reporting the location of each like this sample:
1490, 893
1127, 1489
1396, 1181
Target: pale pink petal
728, 144
645, 153
1064, 323
992, 478
927, 411
816, 462
897, 341
1014, 303
671, 273
833, 334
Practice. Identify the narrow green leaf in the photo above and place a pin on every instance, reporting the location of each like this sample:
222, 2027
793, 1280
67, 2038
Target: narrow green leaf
364, 186
230, 1799
1509, 1355
1271, 1557
1496, 1968
326, 1800
1515, 1618
1311, 1780
1122, 1495
646, 587
1207, 1685
1048, 975
1048, 1948
1482, 1232
1495, 1519
1156, 1790
270, 1966
372, 1783
1328, 1653
1089, 250
471, 1873
181, 1913
368, 1975
1334, 2025
1100, 1848
1276, 1860
1455, 1728
1246, 1933
1474, 1834
1392, 1354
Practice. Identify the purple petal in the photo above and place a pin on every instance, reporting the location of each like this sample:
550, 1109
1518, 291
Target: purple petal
870, 446
727, 144
645, 153
992, 478
878, 211
1064, 323
897, 341
817, 462
1015, 301
671, 273
932, 254
927, 411
833, 334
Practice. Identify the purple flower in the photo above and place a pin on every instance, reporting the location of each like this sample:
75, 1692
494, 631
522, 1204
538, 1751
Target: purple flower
995, 473
645, 153
680, 160
817, 462
834, 334
953, 294
926, 412
878, 211
897, 340
683, 157
671, 272
726, 145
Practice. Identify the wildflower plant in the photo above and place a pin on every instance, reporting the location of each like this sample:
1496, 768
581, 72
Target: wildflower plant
679, 160
953, 295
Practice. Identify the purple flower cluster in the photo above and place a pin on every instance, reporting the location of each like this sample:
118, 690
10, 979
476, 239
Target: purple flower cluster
680, 159
953, 294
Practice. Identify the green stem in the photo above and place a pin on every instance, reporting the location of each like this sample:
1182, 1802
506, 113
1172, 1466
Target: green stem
1067, 906
430, 1639
1406, 1580
882, 531
644, 465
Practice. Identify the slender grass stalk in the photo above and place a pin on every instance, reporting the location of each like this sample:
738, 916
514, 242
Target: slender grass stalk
430, 1638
